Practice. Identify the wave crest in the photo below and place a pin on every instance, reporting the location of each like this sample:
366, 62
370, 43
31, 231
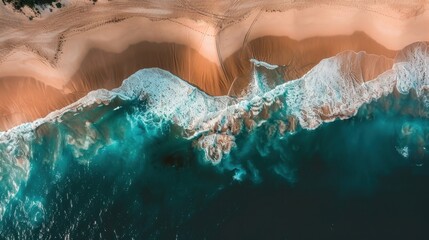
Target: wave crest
335, 88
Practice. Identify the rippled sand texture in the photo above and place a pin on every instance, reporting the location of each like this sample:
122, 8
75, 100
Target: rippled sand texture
53, 60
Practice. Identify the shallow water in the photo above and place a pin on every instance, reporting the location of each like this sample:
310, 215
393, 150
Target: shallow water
326, 156
346, 179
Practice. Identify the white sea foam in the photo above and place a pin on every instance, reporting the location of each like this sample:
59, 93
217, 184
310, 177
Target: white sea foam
324, 94
412, 69
404, 151
263, 64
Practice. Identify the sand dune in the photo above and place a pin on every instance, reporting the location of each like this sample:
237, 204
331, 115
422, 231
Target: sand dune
49, 62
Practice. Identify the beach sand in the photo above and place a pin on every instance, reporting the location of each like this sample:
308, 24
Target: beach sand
53, 60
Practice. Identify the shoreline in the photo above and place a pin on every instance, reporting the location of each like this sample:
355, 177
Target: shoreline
211, 51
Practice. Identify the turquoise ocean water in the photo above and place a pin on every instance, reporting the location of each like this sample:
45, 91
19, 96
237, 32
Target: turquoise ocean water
103, 172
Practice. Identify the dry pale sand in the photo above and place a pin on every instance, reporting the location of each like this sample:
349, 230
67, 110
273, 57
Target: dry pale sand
53, 60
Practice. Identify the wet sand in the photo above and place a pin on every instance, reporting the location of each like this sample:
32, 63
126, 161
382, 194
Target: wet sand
26, 99
50, 62
298, 56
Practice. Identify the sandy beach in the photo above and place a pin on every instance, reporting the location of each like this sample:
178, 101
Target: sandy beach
55, 59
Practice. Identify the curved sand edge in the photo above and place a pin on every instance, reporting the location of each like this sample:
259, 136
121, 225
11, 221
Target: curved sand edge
66, 39
52, 50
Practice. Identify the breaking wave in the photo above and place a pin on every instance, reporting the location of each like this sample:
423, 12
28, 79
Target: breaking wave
154, 106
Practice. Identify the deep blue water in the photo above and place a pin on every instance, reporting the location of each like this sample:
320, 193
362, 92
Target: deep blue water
343, 180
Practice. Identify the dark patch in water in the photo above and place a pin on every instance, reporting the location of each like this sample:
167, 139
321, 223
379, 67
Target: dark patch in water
344, 180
